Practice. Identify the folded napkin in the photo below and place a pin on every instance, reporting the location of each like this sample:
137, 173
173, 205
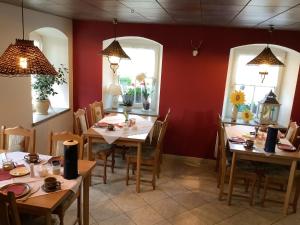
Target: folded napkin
238, 140
4, 175
286, 147
101, 125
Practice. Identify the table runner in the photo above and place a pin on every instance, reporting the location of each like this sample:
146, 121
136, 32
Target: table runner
143, 126
37, 181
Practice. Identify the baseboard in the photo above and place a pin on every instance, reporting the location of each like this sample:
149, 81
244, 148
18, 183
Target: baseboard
188, 159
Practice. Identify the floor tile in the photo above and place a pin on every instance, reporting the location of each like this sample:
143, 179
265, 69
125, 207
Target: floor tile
189, 200
104, 210
129, 202
185, 219
118, 220
153, 196
144, 216
168, 208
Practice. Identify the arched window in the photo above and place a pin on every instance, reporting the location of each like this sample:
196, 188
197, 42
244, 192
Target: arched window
146, 57
281, 80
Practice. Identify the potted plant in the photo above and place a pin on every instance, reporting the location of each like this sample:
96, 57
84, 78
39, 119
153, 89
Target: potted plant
43, 87
128, 98
146, 94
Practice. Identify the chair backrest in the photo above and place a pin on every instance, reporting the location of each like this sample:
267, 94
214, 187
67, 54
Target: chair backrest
160, 140
291, 131
9, 212
56, 143
295, 139
97, 111
80, 121
17, 139
221, 143
167, 117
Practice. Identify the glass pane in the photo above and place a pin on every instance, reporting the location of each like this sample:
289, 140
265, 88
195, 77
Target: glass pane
250, 74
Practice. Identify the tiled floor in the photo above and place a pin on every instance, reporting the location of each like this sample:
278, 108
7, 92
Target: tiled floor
186, 194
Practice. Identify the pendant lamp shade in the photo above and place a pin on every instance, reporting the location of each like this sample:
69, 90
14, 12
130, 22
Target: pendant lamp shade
23, 59
266, 57
115, 50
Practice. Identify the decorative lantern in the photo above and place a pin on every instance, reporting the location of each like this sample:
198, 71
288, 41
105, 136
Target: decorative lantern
268, 110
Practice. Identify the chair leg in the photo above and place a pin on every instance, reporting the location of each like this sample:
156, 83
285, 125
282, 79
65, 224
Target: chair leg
79, 209
61, 218
127, 171
267, 181
222, 182
154, 171
112, 160
133, 168
296, 197
104, 173
252, 191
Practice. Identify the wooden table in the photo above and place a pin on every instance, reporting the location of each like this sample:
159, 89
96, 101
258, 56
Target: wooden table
129, 141
279, 157
45, 204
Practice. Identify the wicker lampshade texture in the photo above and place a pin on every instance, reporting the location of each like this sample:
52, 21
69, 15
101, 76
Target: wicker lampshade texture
37, 63
115, 49
266, 57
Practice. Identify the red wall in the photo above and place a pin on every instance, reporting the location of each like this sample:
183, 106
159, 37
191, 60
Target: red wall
193, 87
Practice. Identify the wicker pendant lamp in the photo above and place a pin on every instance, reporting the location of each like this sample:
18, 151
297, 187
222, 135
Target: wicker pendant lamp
114, 52
23, 59
265, 59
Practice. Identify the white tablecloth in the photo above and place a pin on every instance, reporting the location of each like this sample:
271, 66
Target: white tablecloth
143, 126
36, 182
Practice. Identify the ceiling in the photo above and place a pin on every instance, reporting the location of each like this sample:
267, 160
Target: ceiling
284, 14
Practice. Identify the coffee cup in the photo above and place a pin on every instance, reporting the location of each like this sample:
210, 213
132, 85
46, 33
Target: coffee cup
51, 183
110, 127
249, 143
32, 157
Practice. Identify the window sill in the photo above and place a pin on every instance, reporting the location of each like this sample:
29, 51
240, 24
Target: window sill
54, 112
135, 111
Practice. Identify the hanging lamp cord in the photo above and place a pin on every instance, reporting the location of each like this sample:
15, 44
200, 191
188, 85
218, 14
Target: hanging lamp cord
23, 18
115, 22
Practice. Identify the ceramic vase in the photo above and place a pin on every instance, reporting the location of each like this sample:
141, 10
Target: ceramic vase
234, 114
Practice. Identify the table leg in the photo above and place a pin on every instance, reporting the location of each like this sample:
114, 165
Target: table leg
89, 150
138, 167
85, 199
48, 218
231, 179
289, 187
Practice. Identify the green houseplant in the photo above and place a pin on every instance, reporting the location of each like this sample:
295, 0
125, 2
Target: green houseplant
43, 87
128, 98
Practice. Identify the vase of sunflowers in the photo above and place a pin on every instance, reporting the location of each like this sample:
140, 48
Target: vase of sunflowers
237, 98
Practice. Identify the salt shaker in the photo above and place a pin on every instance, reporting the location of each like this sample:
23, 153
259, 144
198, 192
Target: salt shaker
32, 170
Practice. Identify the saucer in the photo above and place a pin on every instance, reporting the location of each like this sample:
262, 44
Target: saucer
58, 187
247, 147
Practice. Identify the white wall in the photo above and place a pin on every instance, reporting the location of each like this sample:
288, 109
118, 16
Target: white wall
15, 93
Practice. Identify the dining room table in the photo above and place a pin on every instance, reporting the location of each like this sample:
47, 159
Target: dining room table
122, 135
287, 157
42, 203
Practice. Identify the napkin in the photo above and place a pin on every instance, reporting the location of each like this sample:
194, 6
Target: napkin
4, 175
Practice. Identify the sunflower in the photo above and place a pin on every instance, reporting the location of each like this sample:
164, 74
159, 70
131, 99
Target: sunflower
237, 97
247, 115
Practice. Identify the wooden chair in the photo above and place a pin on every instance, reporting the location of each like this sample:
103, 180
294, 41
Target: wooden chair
55, 145
9, 212
100, 151
150, 157
244, 171
56, 140
97, 111
218, 159
280, 177
17, 139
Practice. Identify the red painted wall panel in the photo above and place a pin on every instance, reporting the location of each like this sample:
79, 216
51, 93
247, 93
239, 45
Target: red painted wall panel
193, 87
